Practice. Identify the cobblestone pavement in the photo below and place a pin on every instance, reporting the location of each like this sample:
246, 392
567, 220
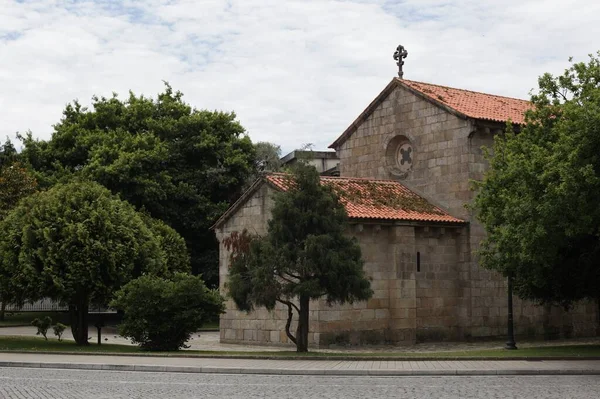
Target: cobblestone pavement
209, 341
67, 384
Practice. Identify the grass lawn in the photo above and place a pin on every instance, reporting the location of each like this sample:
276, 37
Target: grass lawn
212, 325
33, 344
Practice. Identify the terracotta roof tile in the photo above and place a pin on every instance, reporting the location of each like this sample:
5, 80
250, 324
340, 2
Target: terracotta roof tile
474, 104
377, 199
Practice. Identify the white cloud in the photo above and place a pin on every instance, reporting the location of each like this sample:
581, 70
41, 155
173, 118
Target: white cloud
295, 71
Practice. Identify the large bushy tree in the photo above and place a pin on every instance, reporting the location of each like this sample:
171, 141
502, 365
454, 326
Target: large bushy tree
78, 243
16, 183
181, 165
539, 199
305, 255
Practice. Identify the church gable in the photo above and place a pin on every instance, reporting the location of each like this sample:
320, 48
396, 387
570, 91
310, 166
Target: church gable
460, 102
428, 136
399, 137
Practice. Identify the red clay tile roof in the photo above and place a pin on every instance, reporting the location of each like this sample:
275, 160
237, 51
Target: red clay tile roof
474, 104
377, 199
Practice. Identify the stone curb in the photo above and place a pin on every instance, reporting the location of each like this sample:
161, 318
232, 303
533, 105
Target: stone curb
284, 371
250, 356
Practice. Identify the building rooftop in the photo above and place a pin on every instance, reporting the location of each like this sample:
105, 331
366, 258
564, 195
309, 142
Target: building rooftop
376, 199
303, 154
474, 104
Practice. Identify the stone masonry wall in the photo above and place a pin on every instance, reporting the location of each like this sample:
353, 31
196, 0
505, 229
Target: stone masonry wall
447, 155
413, 301
389, 316
442, 301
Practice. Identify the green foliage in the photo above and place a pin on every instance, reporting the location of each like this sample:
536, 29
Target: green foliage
305, 255
42, 326
76, 243
58, 330
181, 165
267, 157
8, 153
162, 314
172, 246
539, 200
15, 183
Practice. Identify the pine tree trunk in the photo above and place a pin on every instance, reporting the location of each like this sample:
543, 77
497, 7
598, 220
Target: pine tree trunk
2, 311
302, 330
79, 322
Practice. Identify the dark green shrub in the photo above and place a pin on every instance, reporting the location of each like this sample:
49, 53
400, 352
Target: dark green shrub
161, 314
42, 326
59, 329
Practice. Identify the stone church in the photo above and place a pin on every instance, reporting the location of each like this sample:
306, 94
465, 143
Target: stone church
406, 164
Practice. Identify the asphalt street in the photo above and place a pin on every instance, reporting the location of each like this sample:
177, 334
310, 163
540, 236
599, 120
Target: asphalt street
25, 383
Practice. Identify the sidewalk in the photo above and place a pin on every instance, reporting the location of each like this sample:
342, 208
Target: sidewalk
305, 367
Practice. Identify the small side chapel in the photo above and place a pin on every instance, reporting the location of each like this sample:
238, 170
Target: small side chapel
409, 156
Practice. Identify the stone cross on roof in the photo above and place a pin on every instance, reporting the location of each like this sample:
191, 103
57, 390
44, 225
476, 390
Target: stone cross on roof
399, 56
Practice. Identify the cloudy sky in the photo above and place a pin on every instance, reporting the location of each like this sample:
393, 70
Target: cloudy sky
294, 71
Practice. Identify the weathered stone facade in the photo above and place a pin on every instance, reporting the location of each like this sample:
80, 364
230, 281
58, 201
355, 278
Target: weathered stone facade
426, 280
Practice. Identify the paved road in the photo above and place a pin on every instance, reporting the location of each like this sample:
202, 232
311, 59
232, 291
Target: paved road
26, 383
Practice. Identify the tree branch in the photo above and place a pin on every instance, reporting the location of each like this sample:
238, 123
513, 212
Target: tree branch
288, 323
287, 279
289, 303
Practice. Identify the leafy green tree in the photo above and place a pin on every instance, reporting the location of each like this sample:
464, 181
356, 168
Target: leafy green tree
181, 165
162, 314
539, 199
306, 255
15, 183
268, 157
76, 243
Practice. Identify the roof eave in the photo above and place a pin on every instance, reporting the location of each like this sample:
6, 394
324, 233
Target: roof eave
408, 222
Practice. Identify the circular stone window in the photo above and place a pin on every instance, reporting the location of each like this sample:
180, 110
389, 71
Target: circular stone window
399, 156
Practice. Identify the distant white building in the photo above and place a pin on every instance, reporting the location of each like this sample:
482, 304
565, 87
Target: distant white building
326, 162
